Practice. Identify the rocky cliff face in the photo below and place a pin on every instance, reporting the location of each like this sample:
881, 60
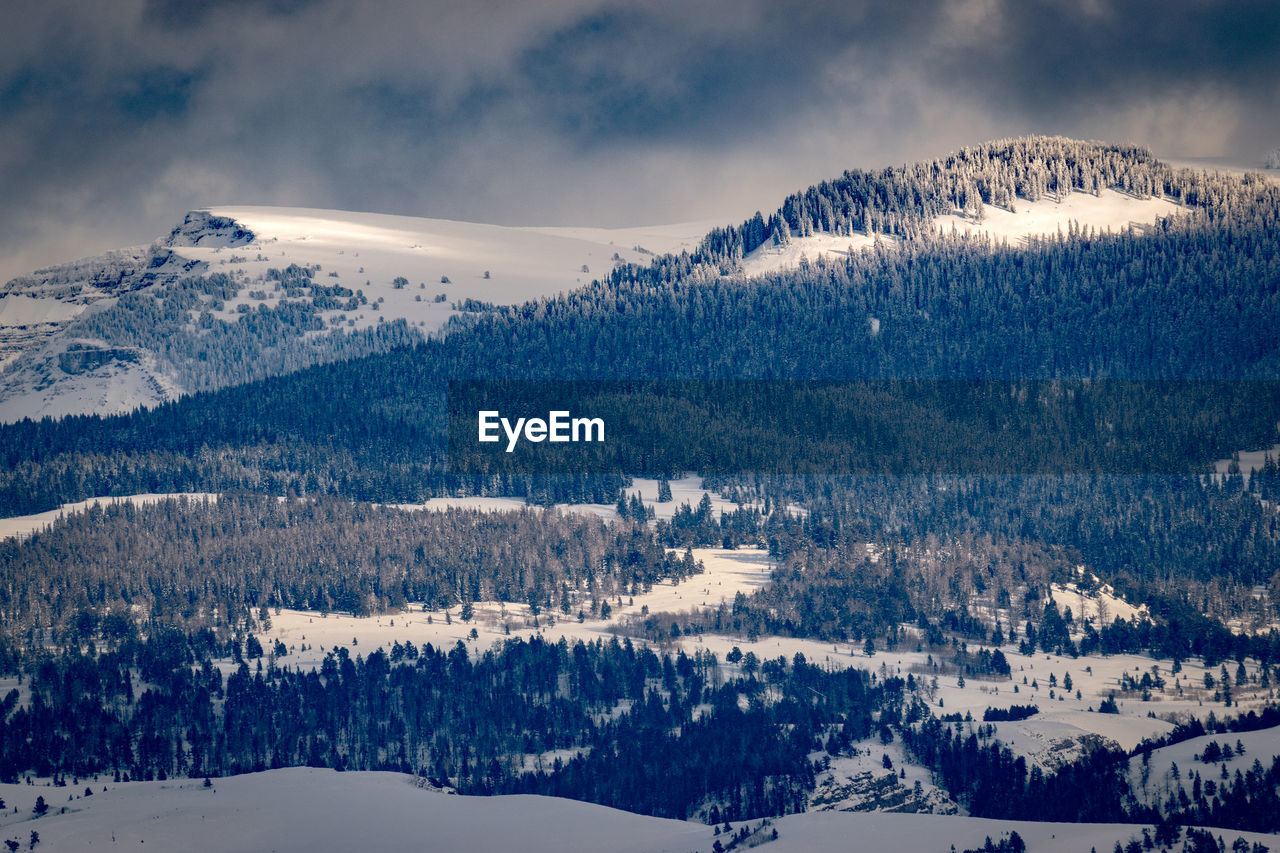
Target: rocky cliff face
202, 228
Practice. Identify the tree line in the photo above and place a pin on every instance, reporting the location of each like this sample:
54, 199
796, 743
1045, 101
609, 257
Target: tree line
221, 563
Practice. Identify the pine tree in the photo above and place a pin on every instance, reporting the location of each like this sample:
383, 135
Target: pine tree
664, 491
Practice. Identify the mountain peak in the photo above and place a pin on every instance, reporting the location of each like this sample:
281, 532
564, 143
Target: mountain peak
204, 228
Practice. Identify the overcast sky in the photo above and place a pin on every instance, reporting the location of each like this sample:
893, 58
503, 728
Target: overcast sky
116, 118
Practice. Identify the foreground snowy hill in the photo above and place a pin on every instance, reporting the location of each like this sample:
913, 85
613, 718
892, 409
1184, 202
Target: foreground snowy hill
239, 293
305, 809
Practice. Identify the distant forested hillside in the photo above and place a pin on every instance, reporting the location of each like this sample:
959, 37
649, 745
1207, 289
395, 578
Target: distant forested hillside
1197, 297
217, 564
673, 735
902, 201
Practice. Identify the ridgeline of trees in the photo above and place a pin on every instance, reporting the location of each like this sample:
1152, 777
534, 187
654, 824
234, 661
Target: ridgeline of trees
215, 564
902, 201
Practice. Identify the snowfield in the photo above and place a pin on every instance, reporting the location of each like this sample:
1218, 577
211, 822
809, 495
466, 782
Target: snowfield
773, 258
1248, 461
21, 310
684, 490
1056, 739
1110, 211
306, 810
726, 573
1101, 605
489, 263
309, 810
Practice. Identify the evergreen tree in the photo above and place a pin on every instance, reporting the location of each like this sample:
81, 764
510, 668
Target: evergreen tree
664, 491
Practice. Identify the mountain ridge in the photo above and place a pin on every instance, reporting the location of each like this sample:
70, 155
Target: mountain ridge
235, 318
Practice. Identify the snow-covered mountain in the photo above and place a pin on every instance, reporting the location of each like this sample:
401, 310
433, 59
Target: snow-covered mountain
234, 294
238, 293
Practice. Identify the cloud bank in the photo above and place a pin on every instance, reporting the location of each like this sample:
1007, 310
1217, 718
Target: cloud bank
117, 118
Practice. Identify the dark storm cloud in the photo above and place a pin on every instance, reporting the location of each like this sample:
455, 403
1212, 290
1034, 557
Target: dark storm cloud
635, 73
185, 14
116, 118
1044, 56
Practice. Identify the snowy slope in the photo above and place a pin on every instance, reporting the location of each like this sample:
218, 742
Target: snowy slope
770, 257
304, 810
1109, 211
309, 810
1153, 780
1101, 605
74, 338
368, 251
